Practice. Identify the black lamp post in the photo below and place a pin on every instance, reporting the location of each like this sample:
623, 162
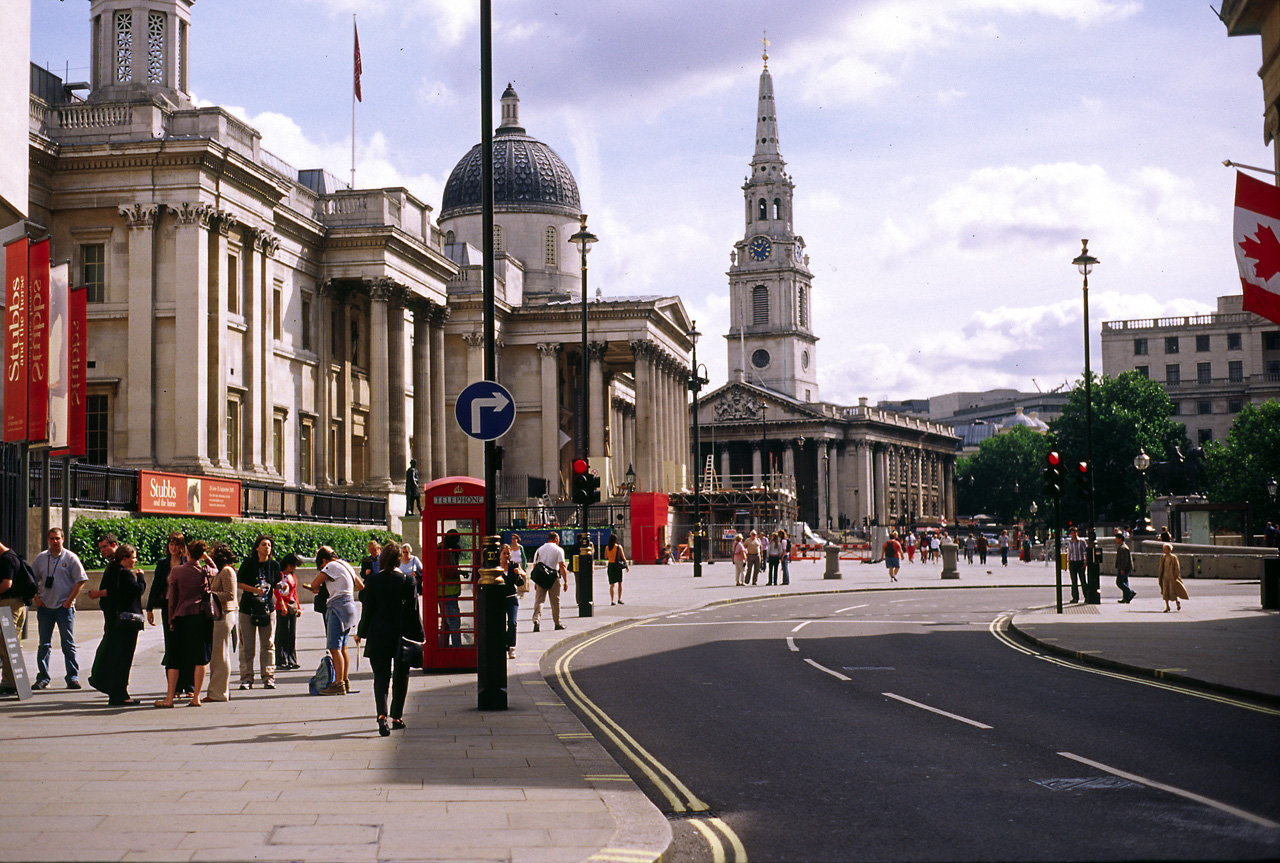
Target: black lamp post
695, 386
1085, 263
1141, 462
583, 240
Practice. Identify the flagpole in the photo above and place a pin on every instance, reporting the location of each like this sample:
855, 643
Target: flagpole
355, 78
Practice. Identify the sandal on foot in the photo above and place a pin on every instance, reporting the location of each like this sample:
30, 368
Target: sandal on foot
162, 703
397, 724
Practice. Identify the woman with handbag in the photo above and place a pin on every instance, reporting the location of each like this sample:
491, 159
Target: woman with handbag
124, 591
390, 614
176, 553
223, 586
513, 565
192, 630
616, 560
287, 613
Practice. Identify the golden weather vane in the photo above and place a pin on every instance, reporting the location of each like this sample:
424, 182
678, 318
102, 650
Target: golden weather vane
765, 40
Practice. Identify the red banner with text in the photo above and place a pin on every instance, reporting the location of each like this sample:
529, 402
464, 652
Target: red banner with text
15, 341
176, 494
77, 377
38, 342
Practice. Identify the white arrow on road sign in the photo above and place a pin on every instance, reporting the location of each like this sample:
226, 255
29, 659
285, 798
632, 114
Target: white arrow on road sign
496, 402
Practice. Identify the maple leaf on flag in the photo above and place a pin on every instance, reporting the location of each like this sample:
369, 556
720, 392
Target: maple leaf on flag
1264, 248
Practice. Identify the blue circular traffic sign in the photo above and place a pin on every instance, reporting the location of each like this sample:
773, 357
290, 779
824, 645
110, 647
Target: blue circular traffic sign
485, 410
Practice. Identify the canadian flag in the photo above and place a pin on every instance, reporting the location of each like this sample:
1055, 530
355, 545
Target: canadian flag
1257, 225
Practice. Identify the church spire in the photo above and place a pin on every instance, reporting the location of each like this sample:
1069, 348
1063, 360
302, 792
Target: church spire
766, 118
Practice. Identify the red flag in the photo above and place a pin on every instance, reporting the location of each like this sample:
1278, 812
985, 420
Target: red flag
77, 350
16, 364
1257, 242
358, 67
38, 342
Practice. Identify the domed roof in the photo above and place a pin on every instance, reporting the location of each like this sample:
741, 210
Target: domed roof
1021, 419
528, 176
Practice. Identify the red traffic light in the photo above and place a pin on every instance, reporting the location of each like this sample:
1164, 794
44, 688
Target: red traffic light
1083, 467
1053, 459
580, 466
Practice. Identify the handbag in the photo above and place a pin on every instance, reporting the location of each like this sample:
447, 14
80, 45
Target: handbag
132, 620
542, 575
410, 652
210, 605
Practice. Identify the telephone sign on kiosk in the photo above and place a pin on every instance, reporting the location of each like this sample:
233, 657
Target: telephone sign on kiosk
485, 410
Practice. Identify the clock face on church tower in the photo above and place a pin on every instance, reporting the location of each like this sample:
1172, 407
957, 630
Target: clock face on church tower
759, 249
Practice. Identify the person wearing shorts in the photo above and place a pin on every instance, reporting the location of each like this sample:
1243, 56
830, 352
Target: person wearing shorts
341, 613
893, 556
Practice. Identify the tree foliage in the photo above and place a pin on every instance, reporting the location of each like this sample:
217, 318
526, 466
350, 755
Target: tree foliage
1239, 468
1130, 413
1003, 477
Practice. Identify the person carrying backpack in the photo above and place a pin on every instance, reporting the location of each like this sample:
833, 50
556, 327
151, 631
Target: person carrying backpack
17, 587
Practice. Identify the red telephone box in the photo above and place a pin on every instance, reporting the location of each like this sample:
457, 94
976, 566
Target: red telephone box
452, 528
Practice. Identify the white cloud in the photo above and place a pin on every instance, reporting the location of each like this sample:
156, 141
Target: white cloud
947, 98
452, 20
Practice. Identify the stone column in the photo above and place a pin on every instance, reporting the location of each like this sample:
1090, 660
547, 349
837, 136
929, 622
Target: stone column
422, 404
822, 462
757, 459
789, 457
598, 404
379, 388
475, 372
833, 482
724, 465
645, 433
142, 220
324, 402
881, 471
216, 363
191, 400
439, 443
550, 407
397, 437
258, 357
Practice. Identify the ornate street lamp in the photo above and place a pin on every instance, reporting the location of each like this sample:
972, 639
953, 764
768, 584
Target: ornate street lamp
1141, 462
631, 478
695, 386
583, 240
1085, 263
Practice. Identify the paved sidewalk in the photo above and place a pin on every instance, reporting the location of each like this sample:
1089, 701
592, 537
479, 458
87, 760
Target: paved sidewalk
280, 775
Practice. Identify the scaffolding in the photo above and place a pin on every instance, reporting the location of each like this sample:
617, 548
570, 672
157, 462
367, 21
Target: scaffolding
738, 502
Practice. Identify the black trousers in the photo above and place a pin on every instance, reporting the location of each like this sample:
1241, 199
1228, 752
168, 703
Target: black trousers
286, 640
124, 641
399, 685
1076, 567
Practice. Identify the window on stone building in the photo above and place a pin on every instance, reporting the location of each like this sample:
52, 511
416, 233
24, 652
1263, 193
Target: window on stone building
497, 239
1172, 375
1271, 340
277, 312
1140, 347
306, 452
182, 56
764, 210
233, 431
1177, 408
1144, 371
335, 333
277, 442
1202, 344
233, 284
96, 428
335, 438
1233, 341
1204, 373
1171, 344
1235, 406
802, 298
93, 271
123, 47
777, 208
760, 305
155, 47
306, 322
1204, 407
449, 238
1235, 371
553, 245
1203, 436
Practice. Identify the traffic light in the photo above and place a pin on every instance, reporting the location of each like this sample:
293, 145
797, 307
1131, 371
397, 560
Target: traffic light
1053, 476
586, 483
1082, 480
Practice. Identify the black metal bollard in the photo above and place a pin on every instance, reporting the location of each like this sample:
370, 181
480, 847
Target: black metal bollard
491, 629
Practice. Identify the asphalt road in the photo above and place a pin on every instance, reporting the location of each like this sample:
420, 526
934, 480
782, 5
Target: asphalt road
897, 726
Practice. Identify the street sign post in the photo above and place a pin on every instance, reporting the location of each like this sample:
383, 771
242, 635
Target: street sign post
485, 410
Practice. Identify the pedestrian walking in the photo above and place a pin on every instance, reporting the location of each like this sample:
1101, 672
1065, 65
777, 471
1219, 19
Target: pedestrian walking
257, 578
909, 543
982, 546
785, 555
411, 565
1003, 542
551, 556
60, 576
1124, 566
1077, 552
615, 562
892, 555
1170, 575
99, 672
739, 559
390, 614
517, 585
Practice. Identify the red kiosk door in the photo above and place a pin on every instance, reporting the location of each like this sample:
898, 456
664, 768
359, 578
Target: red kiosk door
452, 528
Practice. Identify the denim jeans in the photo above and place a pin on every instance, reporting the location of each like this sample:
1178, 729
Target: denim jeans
450, 624
786, 573
65, 619
513, 608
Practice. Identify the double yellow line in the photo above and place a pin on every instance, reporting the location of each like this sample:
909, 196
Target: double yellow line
725, 845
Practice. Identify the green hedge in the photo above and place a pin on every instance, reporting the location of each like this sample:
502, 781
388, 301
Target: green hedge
148, 535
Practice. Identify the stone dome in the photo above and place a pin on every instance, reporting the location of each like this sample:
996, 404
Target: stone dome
1021, 419
528, 176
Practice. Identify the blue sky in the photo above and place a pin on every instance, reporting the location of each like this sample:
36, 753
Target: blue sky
948, 155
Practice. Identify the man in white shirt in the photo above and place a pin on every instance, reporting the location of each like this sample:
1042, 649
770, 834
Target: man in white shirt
550, 555
59, 575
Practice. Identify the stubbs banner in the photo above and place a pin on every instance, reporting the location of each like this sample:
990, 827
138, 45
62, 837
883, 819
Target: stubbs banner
15, 341
175, 494
38, 342
59, 358
1257, 244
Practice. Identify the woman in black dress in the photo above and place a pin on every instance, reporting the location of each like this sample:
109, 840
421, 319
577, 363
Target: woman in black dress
124, 592
158, 598
390, 612
192, 631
